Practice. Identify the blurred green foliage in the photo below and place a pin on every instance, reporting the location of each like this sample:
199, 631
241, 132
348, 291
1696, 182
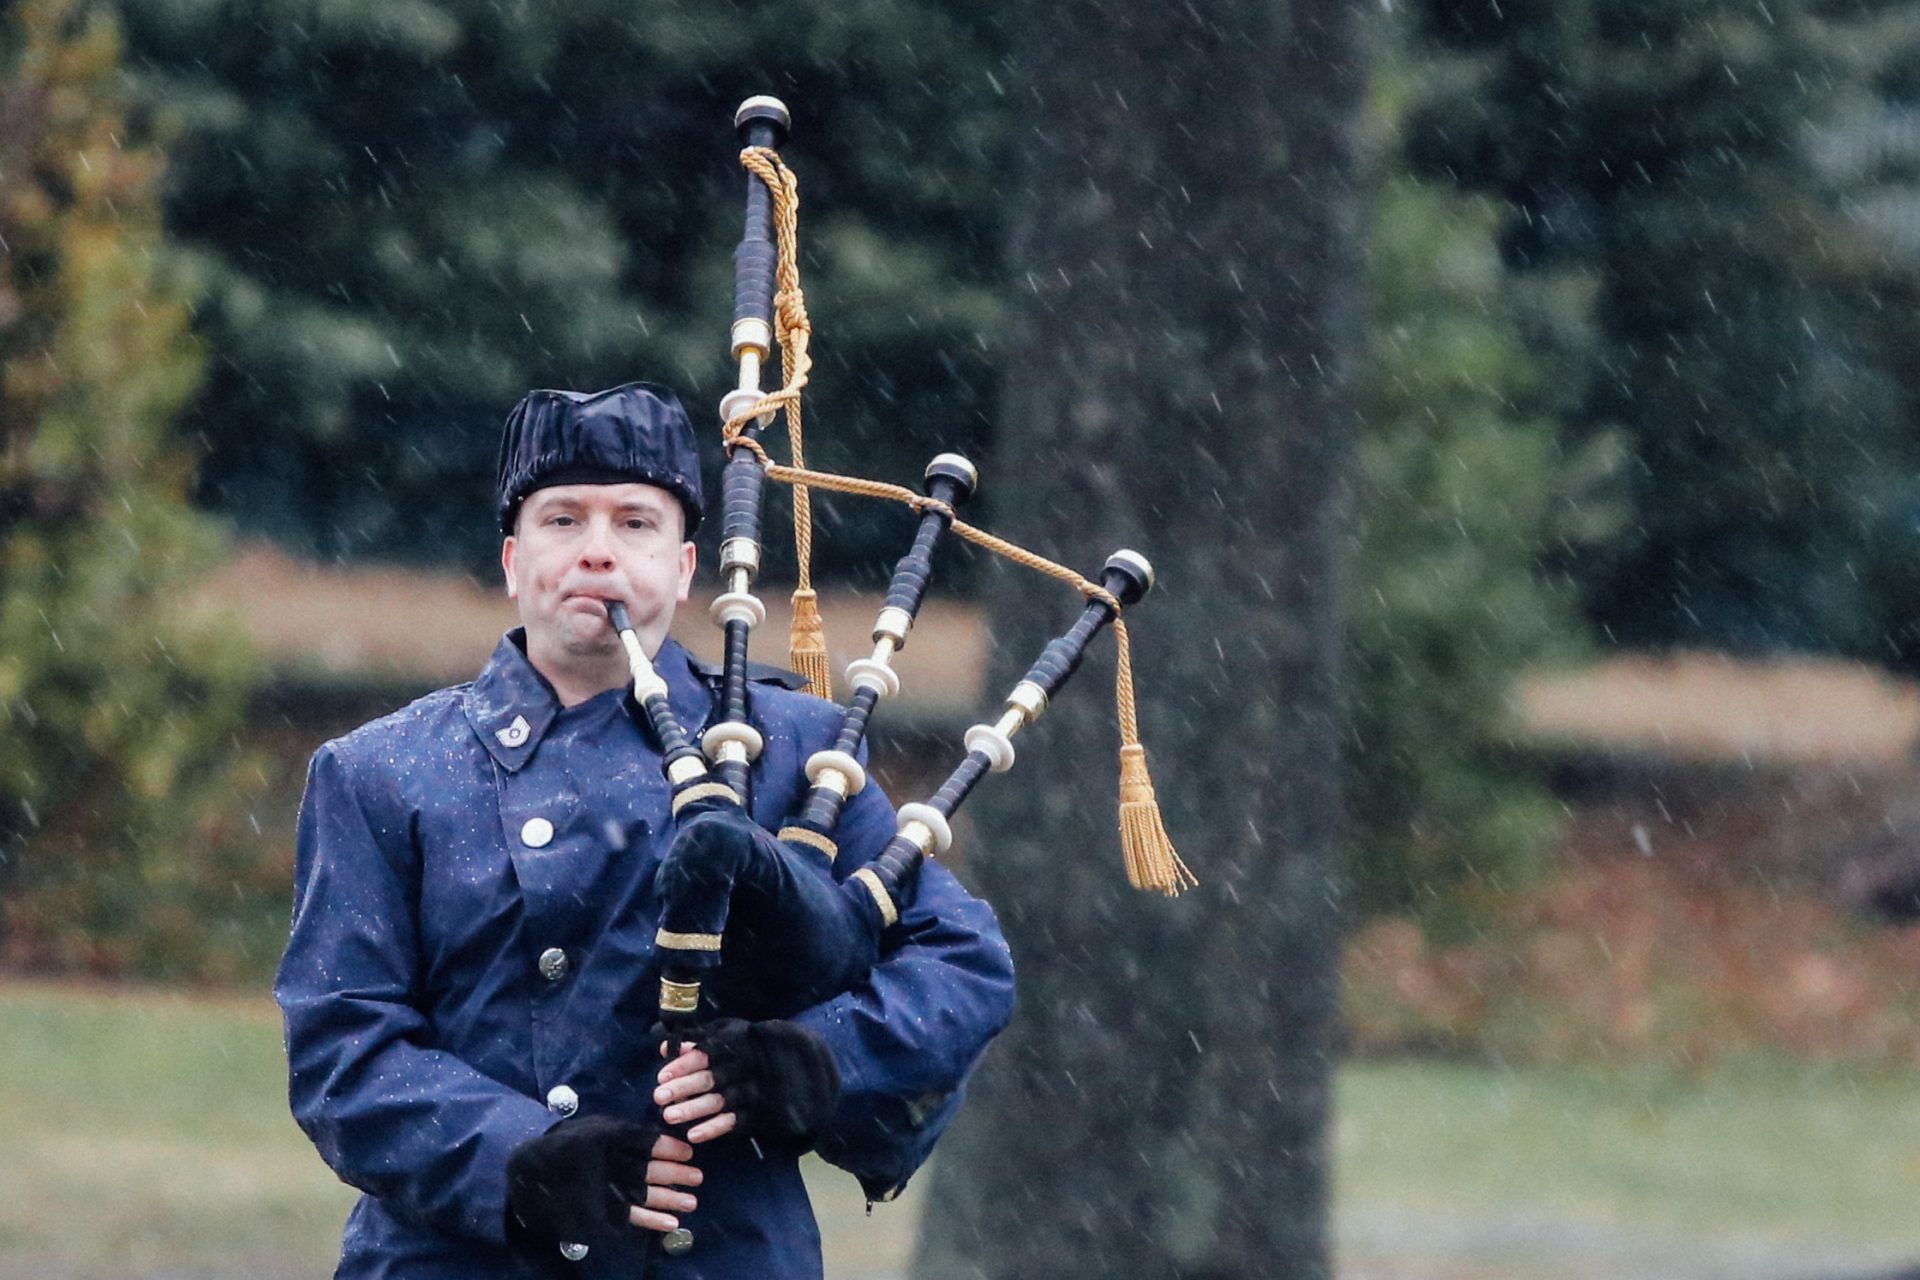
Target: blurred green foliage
406, 215
1719, 315
1458, 474
120, 785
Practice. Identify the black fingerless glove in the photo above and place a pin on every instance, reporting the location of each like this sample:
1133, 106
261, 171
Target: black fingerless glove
777, 1077
575, 1182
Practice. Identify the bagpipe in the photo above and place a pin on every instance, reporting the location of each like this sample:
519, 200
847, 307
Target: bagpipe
772, 920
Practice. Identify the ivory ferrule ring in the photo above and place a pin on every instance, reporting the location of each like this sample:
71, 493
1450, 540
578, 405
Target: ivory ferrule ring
735, 403
875, 674
738, 606
893, 624
823, 766
732, 739
933, 835
685, 770
752, 338
996, 746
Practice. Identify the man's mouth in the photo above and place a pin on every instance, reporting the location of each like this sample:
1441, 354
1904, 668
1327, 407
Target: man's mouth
590, 602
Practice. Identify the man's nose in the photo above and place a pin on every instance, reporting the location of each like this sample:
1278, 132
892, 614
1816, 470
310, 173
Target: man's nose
597, 552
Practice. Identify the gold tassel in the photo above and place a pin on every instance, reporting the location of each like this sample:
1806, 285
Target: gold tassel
807, 649
1152, 862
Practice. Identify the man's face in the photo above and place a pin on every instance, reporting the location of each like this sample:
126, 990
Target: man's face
577, 546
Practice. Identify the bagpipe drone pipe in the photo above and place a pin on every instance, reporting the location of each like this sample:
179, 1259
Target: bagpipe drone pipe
780, 913
757, 924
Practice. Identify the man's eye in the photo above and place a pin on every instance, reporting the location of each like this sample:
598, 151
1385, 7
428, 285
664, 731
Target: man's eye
639, 522
561, 521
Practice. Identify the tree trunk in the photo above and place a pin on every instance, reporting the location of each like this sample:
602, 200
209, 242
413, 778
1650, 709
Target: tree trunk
1186, 256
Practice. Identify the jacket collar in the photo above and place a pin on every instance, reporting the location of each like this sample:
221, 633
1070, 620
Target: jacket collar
511, 706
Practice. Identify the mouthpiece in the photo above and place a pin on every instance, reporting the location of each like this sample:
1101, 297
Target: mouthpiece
617, 614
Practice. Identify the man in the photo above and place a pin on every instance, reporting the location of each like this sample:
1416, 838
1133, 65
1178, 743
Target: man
475, 899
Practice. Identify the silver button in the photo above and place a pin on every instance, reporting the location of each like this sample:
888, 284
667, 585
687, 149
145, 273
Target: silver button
562, 1100
677, 1241
573, 1252
553, 964
536, 833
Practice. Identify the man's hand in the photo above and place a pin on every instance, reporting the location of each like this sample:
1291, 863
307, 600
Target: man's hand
687, 1095
672, 1166
584, 1180
774, 1082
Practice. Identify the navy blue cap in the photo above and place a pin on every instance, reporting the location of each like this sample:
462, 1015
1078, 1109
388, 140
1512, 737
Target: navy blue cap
637, 432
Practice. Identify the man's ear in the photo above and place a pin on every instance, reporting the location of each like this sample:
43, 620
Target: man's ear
687, 557
507, 550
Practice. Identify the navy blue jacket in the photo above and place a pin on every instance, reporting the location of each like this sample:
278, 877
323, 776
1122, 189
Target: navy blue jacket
474, 894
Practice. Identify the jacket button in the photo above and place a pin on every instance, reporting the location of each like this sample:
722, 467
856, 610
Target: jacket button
562, 1100
677, 1241
573, 1251
537, 833
553, 964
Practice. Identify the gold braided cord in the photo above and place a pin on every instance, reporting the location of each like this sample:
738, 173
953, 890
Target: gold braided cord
686, 941
807, 648
1152, 862
882, 900
703, 791
812, 839
862, 487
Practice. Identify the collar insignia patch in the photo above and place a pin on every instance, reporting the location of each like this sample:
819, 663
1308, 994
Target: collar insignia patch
514, 734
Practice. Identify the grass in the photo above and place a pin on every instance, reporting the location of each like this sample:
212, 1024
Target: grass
1804, 1171
146, 1135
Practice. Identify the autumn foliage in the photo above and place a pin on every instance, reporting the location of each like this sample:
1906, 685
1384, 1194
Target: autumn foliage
1689, 949
122, 794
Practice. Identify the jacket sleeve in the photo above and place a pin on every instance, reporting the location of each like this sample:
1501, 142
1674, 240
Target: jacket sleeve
906, 1039
411, 1124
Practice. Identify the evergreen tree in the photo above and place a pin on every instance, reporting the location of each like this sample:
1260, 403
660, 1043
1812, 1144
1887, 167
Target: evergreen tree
1866, 162
118, 780
1653, 159
409, 214
1456, 475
